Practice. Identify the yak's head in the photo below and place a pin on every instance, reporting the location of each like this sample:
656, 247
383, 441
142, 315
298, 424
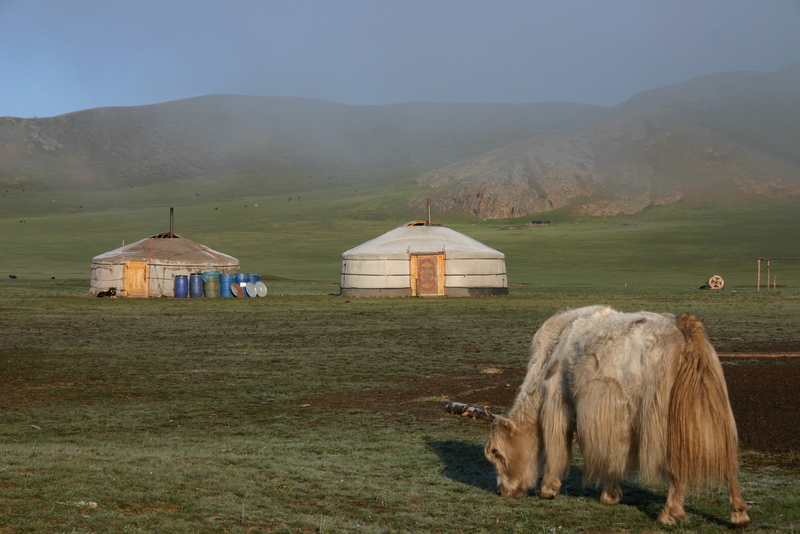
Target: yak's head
513, 449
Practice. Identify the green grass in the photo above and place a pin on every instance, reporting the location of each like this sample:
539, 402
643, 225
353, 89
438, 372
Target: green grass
255, 415
303, 238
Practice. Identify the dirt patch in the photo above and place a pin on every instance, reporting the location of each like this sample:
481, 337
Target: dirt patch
764, 392
765, 396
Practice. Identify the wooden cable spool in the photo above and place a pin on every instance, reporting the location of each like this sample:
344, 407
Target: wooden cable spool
715, 282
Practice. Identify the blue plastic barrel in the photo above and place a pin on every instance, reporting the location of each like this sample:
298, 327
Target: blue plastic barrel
196, 285
254, 278
181, 286
242, 279
225, 281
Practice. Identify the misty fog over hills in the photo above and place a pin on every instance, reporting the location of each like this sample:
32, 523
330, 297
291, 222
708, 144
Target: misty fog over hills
222, 136
728, 137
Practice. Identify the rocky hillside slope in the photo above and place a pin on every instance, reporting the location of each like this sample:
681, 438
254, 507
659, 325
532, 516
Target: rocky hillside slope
728, 137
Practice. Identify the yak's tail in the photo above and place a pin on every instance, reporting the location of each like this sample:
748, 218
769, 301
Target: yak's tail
702, 439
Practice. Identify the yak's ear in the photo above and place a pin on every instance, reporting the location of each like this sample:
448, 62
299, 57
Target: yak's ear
505, 424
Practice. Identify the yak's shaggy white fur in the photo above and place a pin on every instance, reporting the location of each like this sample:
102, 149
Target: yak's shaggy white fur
645, 394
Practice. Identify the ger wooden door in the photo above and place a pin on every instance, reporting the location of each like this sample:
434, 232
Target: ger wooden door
427, 275
136, 280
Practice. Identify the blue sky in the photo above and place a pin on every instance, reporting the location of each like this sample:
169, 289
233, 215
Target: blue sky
59, 56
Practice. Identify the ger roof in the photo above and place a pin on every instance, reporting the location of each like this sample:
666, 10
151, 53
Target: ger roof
419, 238
165, 250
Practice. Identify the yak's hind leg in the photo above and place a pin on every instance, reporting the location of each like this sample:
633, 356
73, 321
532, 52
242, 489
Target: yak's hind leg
739, 517
701, 438
605, 434
673, 509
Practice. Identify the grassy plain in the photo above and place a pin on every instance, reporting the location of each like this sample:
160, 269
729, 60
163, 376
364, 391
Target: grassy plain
247, 415
298, 230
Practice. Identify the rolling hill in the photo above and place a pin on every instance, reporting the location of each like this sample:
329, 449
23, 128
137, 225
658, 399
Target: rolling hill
717, 139
723, 139
223, 136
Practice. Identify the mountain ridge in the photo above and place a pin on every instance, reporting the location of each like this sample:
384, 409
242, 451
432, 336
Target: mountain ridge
731, 137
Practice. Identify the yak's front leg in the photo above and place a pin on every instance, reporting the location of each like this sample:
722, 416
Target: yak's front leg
612, 491
557, 431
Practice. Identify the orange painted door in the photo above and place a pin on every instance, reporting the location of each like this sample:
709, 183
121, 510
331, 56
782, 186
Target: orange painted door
427, 275
136, 281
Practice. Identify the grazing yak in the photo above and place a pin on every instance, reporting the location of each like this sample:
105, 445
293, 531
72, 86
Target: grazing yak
645, 395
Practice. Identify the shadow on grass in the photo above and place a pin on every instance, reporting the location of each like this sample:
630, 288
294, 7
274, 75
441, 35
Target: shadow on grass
465, 463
